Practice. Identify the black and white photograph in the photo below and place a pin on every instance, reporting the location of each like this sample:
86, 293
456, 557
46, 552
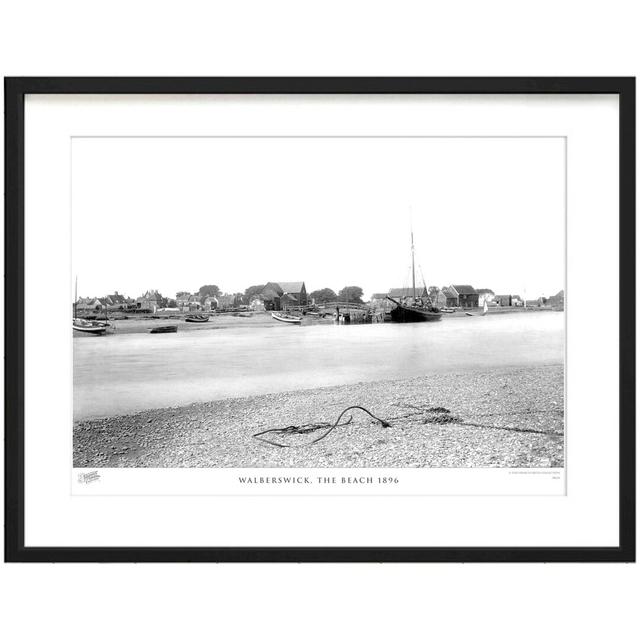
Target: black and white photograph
319, 301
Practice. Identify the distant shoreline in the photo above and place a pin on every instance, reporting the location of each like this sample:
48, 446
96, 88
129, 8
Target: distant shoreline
142, 323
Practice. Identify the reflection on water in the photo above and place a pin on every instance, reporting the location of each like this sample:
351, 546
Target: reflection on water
120, 374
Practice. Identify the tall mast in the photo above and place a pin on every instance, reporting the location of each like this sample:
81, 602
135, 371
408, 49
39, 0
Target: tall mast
75, 303
413, 268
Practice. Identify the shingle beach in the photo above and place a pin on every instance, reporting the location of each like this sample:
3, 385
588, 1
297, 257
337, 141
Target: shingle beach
510, 417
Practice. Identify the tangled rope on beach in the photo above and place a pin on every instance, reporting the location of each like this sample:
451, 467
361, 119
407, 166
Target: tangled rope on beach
428, 415
313, 426
441, 415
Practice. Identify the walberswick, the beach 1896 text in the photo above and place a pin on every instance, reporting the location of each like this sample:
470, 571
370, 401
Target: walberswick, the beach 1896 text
317, 480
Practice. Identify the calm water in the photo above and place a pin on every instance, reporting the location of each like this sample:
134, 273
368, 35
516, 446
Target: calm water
120, 374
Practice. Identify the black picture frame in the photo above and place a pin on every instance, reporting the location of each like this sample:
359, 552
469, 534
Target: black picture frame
15, 91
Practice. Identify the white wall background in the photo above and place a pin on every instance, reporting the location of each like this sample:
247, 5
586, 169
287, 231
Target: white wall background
329, 38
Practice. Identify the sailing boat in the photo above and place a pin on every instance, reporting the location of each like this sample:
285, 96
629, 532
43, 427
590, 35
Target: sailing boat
418, 311
94, 327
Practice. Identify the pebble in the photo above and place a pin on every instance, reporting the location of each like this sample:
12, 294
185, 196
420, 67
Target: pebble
430, 426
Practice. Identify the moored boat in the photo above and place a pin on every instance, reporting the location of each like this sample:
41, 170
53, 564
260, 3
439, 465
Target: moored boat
414, 313
283, 317
83, 325
89, 326
197, 318
170, 328
421, 309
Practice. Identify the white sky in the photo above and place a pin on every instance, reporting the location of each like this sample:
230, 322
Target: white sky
177, 213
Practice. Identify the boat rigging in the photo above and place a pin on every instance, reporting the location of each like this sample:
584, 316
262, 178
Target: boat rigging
420, 310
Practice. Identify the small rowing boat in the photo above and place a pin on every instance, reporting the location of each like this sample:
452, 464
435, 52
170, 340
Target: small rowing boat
89, 326
170, 328
197, 318
283, 317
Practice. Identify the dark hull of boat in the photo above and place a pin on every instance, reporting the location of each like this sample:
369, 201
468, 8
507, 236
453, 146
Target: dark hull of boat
170, 329
197, 319
412, 314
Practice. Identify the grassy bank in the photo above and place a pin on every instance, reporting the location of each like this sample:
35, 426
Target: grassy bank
501, 418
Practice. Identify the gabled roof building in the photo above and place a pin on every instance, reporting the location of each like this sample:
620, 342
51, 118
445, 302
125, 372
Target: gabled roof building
451, 296
280, 295
467, 295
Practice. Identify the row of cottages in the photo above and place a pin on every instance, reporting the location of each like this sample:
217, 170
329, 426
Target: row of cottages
188, 302
225, 301
466, 296
556, 301
151, 301
276, 296
90, 304
455, 295
182, 301
116, 302
510, 300
113, 302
